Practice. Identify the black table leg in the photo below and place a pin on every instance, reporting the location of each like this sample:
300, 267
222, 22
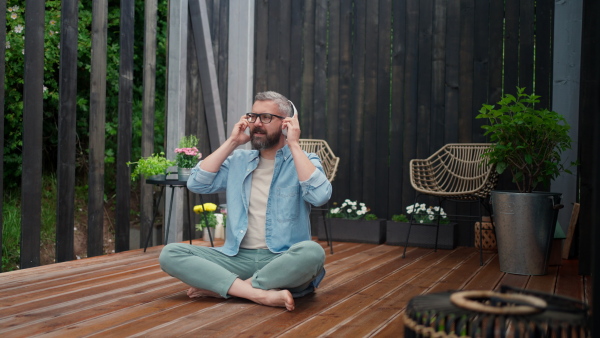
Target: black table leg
206, 221
162, 189
170, 211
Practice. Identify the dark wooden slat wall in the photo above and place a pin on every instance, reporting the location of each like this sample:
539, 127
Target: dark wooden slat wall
370, 100
125, 133
382, 81
33, 101
97, 128
65, 207
443, 60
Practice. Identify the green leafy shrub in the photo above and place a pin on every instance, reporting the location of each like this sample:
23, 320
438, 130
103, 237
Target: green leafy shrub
528, 140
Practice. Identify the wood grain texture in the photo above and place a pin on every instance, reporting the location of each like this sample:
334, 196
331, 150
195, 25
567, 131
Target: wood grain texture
364, 293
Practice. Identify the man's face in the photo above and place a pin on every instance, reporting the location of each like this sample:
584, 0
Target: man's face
265, 135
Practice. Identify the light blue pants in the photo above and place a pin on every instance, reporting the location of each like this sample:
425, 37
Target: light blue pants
208, 269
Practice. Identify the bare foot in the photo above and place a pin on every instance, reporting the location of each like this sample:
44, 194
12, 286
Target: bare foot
199, 293
278, 298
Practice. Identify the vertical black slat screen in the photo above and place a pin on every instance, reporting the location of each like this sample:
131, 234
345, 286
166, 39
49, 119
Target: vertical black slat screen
2, 73
544, 16
333, 113
320, 89
496, 52
369, 120
125, 133
397, 169
273, 48
341, 188
65, 207
425, 73
284, 47
382, 111
465, 101
438, 85
526, 37
357, 107
481, 71
511, 46
33, 108
308, 76
409, 108
97, 125
261, 27
451, 73
296, 34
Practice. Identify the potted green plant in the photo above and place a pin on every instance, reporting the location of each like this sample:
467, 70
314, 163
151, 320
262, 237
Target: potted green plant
187, 156
153, 167
353, 222
528, 142
422, 233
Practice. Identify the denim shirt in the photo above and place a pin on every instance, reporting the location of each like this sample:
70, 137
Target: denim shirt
288, 204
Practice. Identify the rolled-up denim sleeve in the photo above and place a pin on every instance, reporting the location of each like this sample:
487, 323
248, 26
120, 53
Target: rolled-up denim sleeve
316, 190
205, 182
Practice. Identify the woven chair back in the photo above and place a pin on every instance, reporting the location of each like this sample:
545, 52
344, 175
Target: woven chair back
329, 161
457, 170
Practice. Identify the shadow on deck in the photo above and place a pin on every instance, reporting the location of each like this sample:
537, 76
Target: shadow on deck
364, 293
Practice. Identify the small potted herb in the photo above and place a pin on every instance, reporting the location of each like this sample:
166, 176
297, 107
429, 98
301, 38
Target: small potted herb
153, 167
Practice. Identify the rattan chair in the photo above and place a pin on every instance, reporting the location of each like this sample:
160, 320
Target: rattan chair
330, 164
455, 172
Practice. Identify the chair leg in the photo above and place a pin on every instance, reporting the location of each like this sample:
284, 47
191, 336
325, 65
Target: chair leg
327, 237
437, 227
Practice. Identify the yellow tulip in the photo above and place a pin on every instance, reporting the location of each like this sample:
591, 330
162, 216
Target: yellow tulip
210, 207
206, 206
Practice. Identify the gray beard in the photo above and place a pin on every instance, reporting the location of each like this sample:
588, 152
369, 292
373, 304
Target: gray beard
265, 143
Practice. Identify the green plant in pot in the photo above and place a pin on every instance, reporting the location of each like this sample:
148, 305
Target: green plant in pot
150, 166
528, 142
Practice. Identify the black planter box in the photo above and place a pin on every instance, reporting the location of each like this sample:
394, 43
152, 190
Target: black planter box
359, 231
422, 236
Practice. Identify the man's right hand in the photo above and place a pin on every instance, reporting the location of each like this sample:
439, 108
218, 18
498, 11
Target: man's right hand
238, 134
213, 162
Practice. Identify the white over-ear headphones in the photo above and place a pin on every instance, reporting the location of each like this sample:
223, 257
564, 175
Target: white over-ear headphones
294, 113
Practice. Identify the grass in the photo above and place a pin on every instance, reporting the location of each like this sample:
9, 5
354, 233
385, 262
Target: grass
11, 227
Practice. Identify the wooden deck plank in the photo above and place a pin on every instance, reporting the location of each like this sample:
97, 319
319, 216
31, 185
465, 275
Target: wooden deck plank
329, 296
369, 319
364, 293
569, 283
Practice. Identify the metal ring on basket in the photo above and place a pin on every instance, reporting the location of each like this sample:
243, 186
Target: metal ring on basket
520, 304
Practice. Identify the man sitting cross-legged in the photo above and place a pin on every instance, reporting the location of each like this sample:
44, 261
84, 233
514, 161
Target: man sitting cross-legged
268, 256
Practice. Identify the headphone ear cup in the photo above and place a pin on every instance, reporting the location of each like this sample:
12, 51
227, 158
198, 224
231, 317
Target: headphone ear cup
294, 111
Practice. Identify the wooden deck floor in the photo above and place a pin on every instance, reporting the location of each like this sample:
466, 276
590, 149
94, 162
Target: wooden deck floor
364, 293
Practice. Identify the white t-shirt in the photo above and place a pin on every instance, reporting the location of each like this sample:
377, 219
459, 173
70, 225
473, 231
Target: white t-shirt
257, 213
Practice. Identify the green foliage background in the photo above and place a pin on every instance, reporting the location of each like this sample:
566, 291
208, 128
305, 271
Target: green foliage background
15, 26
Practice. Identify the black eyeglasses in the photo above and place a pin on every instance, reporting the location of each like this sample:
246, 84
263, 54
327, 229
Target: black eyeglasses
264, 118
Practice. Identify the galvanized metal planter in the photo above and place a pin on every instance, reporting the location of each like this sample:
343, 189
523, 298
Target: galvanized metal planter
358, 231
422, 236
525, 225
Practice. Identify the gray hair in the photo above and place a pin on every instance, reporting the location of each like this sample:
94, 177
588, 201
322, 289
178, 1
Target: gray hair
285, 107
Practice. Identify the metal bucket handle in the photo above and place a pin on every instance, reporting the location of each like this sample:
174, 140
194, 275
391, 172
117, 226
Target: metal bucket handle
555, 206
